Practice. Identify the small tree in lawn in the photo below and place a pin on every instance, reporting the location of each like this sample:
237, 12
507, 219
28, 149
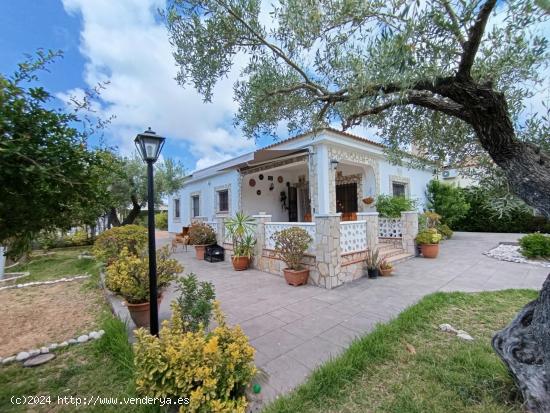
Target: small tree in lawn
436, 74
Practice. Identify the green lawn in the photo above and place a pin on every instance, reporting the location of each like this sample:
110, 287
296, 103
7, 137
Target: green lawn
446, 374
63, 262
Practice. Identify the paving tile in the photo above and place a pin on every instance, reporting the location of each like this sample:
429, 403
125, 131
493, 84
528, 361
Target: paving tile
286, 315
314, 324
315, 352
360, 324
285, 373
307, 306
277, 342
258, 326
340, 335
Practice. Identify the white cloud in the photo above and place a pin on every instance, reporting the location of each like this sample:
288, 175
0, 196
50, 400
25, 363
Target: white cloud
125, 43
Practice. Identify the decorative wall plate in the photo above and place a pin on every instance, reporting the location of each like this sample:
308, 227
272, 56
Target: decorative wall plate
269, 177
258, 192
280, 179
252, 182
261, 177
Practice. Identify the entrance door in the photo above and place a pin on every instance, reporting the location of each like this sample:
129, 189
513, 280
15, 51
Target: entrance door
346, 197
292, 204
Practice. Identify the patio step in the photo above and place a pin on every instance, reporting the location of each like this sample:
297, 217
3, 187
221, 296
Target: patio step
404, 256
389, 252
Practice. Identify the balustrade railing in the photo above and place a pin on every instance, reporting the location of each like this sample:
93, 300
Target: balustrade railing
353, 236
390, 227
273, 227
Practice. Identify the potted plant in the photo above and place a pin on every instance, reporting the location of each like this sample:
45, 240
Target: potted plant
429, 242
385, 268
128, 276
240, 228
290, 247
201, 235
372, 261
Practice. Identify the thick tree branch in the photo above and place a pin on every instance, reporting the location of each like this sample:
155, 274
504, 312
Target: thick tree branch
474, 39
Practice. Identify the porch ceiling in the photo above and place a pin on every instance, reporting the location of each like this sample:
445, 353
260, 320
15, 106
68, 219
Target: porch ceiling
267, 155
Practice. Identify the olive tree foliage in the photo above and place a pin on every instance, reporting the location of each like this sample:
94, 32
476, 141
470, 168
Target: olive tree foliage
451, 77
126, 185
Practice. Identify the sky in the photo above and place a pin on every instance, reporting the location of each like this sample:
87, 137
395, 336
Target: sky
125, 42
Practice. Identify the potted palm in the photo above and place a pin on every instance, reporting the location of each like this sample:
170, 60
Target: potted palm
428, 239
290, 247
201, 235
128, 276
385, 268
240, 228
372, 261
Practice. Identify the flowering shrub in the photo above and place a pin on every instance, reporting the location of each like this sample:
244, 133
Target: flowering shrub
128, 275
201, 234
212, 369
111, 242
291, 245
428, 236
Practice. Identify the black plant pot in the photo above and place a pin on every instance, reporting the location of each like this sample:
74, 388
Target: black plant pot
418, 250
373, 273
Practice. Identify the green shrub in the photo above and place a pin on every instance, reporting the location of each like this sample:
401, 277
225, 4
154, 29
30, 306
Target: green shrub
448, 201
212, 369
47, 240
111, 242
195, 302
482, 217
428, 236
445, 231
391, 206
535, 245
79, 238
291, 245
128, 275
161, 220
201, 234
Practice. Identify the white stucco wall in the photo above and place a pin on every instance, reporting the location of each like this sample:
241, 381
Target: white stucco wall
206, 189
269, 201
418, 179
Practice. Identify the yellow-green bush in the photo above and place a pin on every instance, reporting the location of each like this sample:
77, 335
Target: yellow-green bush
128, 275
111, 242
212, 369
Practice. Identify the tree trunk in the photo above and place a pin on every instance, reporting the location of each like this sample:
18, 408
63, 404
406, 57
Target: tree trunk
524, 346
526, 166
112, 218
136, 209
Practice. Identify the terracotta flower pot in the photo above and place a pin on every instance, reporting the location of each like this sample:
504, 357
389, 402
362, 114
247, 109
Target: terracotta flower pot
199, 251
430, 250
385, 272
296, 277
140, 312
240, 263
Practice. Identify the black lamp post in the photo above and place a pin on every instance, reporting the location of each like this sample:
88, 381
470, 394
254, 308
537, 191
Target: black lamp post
149, 145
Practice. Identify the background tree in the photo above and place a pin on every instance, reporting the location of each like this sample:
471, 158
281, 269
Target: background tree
48, 176
126, 185
448, 201
437, 74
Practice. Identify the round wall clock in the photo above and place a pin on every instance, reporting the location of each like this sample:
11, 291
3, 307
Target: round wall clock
252, 182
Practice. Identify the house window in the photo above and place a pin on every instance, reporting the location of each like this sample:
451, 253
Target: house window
223, 200
399, 189
176, 208
195, 205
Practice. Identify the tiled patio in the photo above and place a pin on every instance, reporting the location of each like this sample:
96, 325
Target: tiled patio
294, 330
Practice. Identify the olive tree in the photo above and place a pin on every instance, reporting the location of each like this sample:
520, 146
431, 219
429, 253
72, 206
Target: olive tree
450, 76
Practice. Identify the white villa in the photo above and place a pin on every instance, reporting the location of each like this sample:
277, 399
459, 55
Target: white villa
319, 181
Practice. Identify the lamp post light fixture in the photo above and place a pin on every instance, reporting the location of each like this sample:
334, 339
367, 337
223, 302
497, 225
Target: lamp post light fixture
149, 145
